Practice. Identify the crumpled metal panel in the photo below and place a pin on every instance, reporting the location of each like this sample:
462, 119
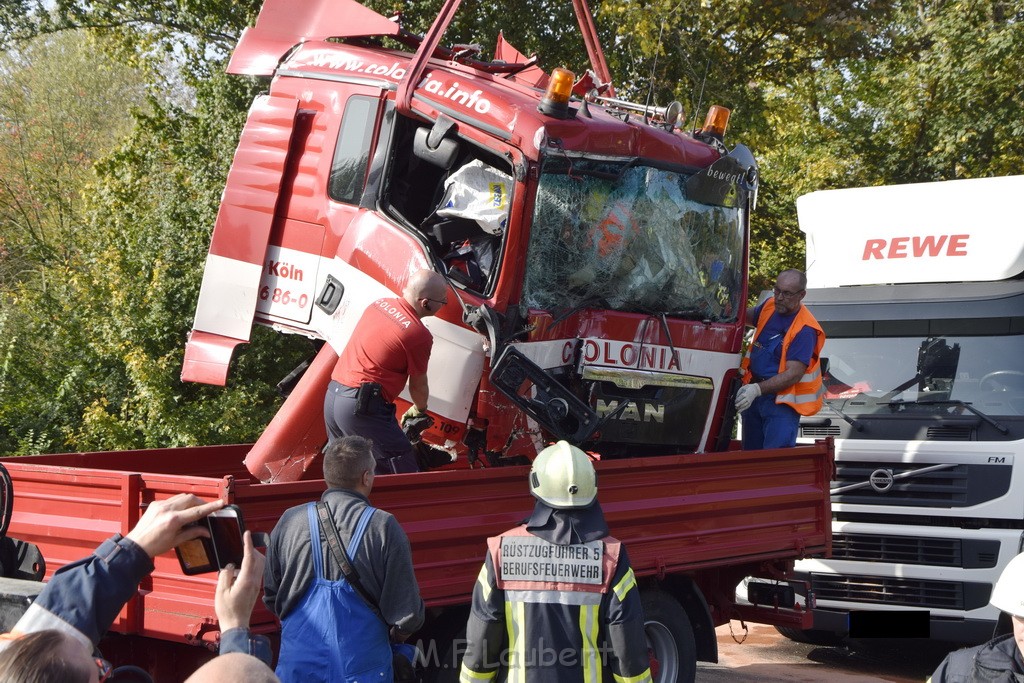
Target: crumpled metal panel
282, 24
207, 358
234, 265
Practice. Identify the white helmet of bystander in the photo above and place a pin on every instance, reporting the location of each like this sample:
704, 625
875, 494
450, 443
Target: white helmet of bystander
1008, 595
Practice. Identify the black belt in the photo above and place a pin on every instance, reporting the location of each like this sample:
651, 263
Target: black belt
757, 379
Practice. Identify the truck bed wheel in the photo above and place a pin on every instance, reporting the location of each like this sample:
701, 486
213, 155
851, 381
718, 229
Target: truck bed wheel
670, 640
810, 635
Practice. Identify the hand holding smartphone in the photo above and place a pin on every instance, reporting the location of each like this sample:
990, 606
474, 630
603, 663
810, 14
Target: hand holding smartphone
223, 547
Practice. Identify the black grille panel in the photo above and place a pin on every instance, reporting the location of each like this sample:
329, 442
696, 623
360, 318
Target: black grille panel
952, 487
897, 549
938, 552
816, 432
906, 592
950, 433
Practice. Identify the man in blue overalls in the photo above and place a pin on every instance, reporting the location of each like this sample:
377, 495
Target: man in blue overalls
782, 366
329, 631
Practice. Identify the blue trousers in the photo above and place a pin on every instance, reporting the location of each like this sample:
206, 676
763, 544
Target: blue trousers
391, 447
767, 424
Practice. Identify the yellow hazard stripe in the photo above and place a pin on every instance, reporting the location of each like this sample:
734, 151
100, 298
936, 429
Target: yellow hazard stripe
627, 584
590, 654
515, 622
645, 677
485, 586
467, 675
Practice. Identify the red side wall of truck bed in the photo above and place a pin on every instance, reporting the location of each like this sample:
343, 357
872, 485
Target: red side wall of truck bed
675, 514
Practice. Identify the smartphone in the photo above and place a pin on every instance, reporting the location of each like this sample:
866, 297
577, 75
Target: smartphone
224, 546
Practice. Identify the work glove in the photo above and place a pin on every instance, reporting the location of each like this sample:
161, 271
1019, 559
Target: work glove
414, 423
746, 395
411, 413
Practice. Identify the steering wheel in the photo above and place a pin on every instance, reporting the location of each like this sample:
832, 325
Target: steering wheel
996, 381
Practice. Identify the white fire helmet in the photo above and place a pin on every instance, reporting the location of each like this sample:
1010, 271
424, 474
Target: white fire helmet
1008, 595
563, 477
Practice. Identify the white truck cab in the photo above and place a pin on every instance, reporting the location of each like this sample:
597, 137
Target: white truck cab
919, 290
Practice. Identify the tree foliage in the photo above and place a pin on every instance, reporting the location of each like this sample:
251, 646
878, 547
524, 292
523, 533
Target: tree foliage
100, 295
109, 191
60, 112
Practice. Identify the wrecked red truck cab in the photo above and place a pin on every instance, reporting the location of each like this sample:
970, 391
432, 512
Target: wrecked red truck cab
597, 253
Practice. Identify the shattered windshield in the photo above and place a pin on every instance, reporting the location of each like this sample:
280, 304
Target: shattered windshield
627, 237
987, 372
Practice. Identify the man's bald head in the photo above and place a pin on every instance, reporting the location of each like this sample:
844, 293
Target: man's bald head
426, 291
233, 667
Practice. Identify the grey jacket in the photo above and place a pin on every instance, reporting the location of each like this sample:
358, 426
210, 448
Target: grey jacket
383, 560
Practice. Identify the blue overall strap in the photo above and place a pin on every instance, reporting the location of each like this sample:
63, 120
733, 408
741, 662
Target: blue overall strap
314, 538
357, 536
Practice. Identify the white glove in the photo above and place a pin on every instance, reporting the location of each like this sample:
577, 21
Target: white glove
746, 395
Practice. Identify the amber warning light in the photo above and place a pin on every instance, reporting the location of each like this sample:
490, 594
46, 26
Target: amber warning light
556, 99
716, 122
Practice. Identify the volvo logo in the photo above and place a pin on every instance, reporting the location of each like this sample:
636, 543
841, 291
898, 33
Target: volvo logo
881, 480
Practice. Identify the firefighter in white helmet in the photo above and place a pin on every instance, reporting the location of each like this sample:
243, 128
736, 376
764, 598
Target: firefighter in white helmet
556, 599
1000, 659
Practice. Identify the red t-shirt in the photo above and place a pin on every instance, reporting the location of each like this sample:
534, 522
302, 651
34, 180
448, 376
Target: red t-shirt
389, 344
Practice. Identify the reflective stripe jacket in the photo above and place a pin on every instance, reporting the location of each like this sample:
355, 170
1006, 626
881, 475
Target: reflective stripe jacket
805, 397
558, 613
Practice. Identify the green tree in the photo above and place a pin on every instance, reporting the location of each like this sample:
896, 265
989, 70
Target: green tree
152, 214
60, 111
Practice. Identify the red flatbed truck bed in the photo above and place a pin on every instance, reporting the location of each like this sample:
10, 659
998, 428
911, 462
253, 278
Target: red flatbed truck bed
699, 521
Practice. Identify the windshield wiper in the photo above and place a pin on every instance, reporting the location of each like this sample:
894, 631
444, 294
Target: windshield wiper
690, 314
957, 402
893, 393
668, 334
856, 424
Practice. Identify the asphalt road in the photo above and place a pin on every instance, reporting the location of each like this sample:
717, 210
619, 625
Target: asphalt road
767, 657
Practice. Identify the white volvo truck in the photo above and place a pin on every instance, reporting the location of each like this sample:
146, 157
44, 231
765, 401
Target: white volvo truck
920, 290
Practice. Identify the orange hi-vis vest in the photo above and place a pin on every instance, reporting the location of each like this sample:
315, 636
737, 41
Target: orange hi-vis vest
805, 397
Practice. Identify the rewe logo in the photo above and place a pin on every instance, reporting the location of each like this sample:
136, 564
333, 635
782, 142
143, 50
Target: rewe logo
916, 247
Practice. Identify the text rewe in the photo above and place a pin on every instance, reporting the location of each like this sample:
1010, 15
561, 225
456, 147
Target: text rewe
918, 246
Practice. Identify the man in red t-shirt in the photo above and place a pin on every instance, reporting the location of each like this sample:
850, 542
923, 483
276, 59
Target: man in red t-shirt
390, 346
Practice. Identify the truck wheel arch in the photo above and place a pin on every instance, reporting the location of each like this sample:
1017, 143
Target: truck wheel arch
671, 644
692, 600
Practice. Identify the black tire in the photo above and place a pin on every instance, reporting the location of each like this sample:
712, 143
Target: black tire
670, 640
810, 636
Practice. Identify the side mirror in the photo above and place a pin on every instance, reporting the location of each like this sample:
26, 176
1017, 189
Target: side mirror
433, 145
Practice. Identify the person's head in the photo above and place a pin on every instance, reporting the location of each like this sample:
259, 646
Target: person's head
47, 657
790, 289
562, 477
349, 464
1008, 596
234, 667
426, 291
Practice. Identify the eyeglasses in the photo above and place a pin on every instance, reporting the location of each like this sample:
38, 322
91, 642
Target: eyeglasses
104, 668
443, 303
782, 294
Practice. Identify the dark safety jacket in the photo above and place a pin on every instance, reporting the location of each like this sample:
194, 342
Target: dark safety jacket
805, 397
560, 613
997, 661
